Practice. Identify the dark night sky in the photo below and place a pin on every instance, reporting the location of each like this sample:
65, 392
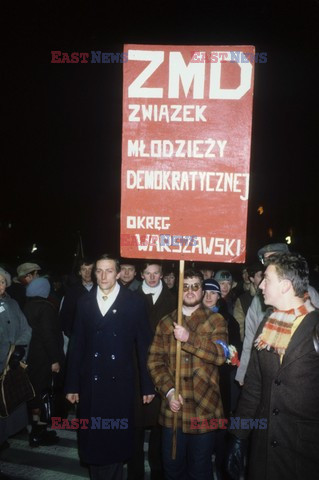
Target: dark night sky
62, 137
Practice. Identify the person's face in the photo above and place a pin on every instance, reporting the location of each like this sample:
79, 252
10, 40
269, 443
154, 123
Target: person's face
3, 285
225, 287
192, 296
106, 275
210, 298
86, 273
271, 287
31, 276
169, 280
152, 275
127, 273
207, 273
257, 278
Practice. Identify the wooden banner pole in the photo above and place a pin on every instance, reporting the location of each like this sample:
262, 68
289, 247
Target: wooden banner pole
178, 350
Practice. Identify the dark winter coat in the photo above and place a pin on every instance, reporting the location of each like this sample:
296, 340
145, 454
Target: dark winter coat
46, 346
165, 304
229, 389
100, 369
17, 291
68, 309
287, 395
147, 415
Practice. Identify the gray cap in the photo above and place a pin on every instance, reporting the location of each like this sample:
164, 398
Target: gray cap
273, 247
26, 268
223, 276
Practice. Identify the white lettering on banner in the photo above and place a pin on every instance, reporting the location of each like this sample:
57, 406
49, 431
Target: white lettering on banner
229, 247
180, 73
190, 181
157, 223
135, 89
167, 113
177, 148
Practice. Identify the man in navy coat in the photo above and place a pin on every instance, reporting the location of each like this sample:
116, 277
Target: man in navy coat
110, 321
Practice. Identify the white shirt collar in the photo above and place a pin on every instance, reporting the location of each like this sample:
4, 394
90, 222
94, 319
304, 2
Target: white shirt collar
105, 305
155, 291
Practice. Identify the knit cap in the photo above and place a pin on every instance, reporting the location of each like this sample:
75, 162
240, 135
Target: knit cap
39, 287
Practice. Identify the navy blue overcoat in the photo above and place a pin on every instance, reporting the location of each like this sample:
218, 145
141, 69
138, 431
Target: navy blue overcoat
100, 369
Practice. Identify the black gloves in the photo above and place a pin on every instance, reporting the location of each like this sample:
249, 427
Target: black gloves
17, 356
236, 453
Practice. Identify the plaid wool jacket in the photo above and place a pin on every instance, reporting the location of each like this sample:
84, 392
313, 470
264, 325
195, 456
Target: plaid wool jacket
200, 358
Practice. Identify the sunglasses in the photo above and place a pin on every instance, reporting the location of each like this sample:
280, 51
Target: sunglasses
194, 287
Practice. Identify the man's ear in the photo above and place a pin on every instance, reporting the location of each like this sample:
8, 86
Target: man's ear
286, 285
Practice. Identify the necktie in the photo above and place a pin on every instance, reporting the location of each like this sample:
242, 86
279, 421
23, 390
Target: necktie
104, 297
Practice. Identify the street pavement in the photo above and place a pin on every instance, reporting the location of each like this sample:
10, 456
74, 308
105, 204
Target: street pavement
56, 462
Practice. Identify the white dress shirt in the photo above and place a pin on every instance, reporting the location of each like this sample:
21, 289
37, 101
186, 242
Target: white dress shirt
105, 305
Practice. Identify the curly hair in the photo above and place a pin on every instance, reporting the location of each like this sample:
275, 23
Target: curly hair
292, 267
190, 273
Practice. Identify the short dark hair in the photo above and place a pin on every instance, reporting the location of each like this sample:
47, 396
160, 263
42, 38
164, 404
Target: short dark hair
151, 262
128, 261
292, 267
254, 268
190, 273
107, 256
84, 261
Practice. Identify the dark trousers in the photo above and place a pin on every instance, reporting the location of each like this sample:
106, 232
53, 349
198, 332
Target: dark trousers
113, 471
135, 467
193, 455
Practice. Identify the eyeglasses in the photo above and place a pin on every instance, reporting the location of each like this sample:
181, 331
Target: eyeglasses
194, 287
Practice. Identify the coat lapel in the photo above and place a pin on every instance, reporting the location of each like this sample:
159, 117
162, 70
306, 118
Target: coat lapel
301, 342
99, 319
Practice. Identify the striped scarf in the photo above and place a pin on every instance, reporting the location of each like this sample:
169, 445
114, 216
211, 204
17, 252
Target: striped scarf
276, 333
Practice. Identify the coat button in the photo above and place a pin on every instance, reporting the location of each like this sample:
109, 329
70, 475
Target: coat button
113, 357
95, 377
275, 411
113, 378
277, 382
274, 443
114, 334
96, 354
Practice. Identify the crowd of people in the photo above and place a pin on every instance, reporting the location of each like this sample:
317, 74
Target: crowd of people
107, 342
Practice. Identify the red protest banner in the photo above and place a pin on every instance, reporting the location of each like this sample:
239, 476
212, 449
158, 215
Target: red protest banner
187, 116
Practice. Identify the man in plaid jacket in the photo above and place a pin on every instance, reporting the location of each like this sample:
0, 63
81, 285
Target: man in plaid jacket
204, 346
